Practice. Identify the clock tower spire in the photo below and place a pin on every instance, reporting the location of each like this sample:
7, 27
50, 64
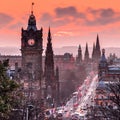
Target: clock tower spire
32, 21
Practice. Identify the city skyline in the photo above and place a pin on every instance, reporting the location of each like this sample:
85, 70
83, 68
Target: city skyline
72, 23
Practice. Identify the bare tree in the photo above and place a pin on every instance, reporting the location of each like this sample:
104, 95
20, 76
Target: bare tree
109, 109
112, 111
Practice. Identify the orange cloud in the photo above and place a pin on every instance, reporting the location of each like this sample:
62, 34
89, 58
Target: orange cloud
5, 19
63, 33
77, 21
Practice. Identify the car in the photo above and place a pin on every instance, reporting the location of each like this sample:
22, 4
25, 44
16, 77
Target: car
59, 116
75, 117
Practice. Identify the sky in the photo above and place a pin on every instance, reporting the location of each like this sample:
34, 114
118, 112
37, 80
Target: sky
72, 22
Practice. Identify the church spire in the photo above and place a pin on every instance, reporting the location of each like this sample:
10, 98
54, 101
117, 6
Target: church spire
79, 47
97, 43
97, 51
93, 52
86, 58
79, 57
49, 35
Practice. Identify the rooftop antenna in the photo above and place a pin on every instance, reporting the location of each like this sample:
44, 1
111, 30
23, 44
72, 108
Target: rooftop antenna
32, 7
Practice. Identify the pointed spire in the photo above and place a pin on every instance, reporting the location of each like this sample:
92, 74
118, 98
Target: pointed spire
79, 50
49, 59
32, 21
79, 47
79, 56
86, 58
86, 50
93, 52
94, 46
97, 51
97, 43
49, 44
50, 78
49, 35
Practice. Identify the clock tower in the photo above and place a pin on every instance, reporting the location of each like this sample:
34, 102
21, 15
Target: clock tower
31, 49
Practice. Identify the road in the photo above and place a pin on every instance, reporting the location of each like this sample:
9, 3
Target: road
82, 98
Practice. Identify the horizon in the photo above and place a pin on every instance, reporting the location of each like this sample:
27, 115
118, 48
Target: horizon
72, 23
15, 51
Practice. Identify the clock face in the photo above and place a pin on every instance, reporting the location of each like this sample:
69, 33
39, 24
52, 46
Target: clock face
31, 42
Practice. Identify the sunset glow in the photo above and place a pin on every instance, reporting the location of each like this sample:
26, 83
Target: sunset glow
72, 22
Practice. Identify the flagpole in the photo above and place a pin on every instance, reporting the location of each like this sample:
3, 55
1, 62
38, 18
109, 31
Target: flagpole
32, 7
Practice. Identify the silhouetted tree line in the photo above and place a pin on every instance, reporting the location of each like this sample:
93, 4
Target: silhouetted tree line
72, 80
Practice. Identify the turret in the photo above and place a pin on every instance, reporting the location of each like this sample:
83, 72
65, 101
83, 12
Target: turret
103, 65
79, 57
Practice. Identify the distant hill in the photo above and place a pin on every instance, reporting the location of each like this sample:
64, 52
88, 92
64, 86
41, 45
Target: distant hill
74, 50
58, 51
10, 51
